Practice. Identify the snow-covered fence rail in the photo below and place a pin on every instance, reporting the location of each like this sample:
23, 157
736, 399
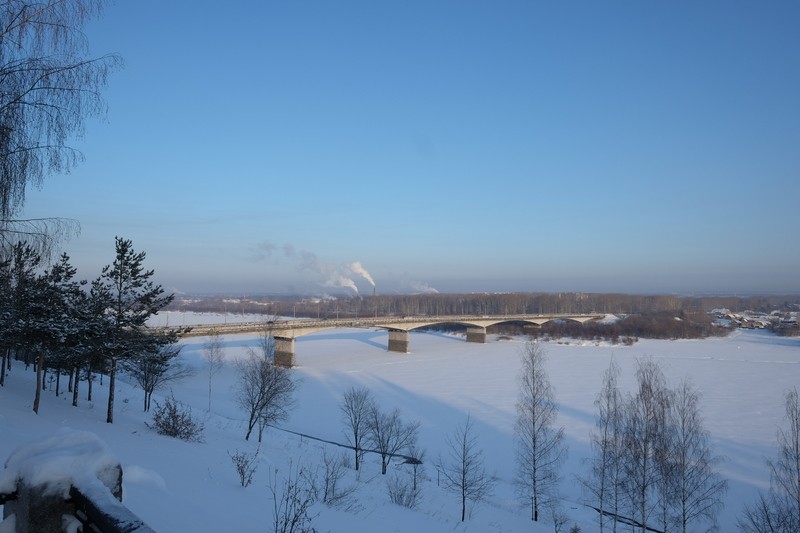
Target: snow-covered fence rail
68, 482
99, 513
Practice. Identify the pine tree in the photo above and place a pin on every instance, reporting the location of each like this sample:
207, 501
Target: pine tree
131, 298
52, 315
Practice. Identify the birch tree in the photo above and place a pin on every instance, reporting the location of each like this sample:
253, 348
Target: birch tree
463, 472
697, 486
604, 483
389, 435
214, 357
778, 511
264, 390
50, 86
356, 406
645, 422
540, 446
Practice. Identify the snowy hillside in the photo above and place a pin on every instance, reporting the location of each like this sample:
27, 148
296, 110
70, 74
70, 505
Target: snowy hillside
177, 486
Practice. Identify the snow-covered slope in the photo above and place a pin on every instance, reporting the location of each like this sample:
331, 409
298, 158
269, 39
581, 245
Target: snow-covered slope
177, 486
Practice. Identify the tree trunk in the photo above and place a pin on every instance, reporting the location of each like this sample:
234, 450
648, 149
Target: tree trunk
148, 397
112, 379
209, 392
75, 387
58, 382
3, 367
38, 395
251, 423
89, 382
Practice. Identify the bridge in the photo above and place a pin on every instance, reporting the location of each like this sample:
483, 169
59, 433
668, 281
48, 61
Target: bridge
286, 331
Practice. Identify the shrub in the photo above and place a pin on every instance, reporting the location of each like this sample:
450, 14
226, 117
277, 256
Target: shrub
245, 464
292, 501
402, 492
173, 419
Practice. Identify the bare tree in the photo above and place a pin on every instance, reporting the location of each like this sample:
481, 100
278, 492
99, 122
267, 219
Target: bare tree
779, 510
155, 367
42, 234
697, 486
767, 516
388, 434
356, 406
603, 487
264, 390
214, 357
49, 87
404, 488
785, 471
646, 416
463, 472
245, 464
334, 492
540, 447
291, 502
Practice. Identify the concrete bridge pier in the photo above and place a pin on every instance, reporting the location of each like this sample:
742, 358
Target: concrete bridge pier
398, 341
284, 351
476, 334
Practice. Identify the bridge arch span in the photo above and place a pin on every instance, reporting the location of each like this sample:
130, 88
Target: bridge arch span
286, 331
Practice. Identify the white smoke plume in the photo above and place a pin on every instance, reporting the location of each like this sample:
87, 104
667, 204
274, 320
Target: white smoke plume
333, 276
337, 280
358, 269
420, 287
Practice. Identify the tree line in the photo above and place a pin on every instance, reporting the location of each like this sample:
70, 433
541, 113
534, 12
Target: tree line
648, 308
71, 328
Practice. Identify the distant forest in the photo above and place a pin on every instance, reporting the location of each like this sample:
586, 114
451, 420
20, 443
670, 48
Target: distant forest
648, 316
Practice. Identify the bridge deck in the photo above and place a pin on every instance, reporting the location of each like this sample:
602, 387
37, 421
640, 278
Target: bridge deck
298, 327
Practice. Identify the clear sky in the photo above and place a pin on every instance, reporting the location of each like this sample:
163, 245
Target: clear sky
265, 146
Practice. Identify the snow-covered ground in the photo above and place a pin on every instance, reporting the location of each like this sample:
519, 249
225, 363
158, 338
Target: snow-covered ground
177, 486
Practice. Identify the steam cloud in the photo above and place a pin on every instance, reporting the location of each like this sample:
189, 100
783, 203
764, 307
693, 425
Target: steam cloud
356, 268
334, 276
420, 287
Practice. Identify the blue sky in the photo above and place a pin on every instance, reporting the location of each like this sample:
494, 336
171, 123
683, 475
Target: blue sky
262, 147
